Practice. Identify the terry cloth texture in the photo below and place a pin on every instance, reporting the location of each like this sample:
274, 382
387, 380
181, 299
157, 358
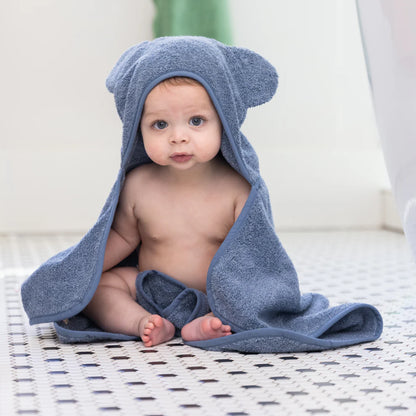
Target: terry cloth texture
252, 284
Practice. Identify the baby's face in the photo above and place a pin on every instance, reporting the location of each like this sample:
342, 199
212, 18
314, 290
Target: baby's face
180, 126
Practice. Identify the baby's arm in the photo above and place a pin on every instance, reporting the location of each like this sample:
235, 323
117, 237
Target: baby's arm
241, 198
124, 236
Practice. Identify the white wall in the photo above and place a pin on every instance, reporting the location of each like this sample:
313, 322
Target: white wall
317, 140
60, 135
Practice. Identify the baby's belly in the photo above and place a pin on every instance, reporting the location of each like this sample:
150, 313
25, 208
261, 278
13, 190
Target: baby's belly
189, 266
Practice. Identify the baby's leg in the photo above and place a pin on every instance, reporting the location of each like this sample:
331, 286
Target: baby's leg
114, 309
205, 327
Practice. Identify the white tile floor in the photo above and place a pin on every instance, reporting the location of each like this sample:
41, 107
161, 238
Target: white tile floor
40, 376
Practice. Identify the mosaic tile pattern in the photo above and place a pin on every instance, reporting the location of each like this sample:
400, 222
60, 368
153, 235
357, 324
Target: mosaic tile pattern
39, 376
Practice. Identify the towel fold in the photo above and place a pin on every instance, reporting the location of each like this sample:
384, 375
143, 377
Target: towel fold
169, 298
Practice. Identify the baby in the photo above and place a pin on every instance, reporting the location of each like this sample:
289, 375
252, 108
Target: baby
176, 211
195, 213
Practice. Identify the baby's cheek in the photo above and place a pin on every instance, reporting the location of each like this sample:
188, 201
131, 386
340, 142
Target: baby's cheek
212, 149
155, 153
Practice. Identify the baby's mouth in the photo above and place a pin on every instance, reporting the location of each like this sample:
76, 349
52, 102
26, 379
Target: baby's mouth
181, 157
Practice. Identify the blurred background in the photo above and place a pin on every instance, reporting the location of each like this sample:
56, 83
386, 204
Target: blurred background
60, 135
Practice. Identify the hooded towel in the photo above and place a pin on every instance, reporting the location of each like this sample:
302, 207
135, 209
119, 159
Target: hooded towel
252, 284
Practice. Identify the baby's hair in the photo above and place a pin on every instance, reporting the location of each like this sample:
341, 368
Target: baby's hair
181, 81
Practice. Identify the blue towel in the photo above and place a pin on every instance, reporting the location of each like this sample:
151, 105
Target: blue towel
252, 284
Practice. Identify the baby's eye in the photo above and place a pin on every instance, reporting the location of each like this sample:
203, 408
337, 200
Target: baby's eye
160, 125
196, 121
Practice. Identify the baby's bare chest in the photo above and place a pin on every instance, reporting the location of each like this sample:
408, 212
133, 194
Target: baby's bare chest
190, 219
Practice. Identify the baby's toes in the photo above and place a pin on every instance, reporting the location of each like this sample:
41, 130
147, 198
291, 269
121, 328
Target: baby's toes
157, 321
216, 324
148, 328
226, 330
147, 343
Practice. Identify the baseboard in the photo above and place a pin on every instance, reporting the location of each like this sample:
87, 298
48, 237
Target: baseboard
390, 217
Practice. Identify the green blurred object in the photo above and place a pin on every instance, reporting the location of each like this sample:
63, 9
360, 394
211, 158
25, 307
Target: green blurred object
208, 18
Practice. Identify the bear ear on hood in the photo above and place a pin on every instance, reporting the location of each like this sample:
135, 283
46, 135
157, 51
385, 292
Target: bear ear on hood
118, 80
256, 78
126, 60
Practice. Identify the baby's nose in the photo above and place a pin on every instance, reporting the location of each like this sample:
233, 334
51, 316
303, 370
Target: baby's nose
179, 138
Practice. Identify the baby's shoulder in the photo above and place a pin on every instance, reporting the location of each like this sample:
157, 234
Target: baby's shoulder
139, 177
141, 173
237, 189
234, 181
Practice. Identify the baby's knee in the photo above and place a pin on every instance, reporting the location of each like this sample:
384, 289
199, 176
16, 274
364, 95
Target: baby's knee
111, 278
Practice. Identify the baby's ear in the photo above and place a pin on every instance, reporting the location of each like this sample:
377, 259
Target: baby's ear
256, 78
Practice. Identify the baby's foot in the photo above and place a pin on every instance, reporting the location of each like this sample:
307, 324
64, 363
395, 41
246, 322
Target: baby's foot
205, 327
154, 330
